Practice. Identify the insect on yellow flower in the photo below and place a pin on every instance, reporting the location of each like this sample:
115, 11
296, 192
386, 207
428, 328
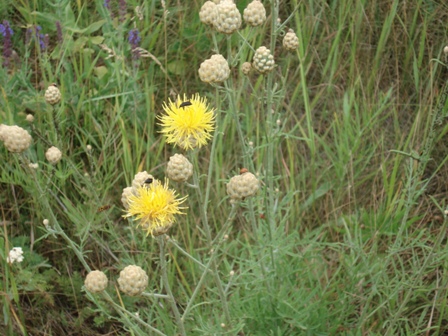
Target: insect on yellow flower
188, 123
155, 205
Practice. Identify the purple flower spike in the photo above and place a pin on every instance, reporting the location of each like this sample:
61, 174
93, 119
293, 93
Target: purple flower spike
134, 40
41, 38
6, 31
59, 32
122, 9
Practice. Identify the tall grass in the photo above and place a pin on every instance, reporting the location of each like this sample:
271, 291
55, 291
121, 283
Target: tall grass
347, 234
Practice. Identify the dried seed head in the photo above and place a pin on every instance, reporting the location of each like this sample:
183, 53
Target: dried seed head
255, 13
133, 280
179, 169
29, 118
214, 70
228, 19
128, 191
242, 186
52, 95
290, 41
142, 179
246, 67
15, 138
95, 282
263, 60
208, 13
445, 50
53, 155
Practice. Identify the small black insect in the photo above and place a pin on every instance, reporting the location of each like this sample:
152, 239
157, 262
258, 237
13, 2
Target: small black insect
148, 180
185, 104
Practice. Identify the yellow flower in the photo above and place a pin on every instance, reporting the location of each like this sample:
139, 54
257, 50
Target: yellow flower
155, 206
188, 123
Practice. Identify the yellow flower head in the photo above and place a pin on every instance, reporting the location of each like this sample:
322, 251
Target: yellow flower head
155, 206
188, 123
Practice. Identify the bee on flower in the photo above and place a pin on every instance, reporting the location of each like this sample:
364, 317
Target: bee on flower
188, 126
155, 206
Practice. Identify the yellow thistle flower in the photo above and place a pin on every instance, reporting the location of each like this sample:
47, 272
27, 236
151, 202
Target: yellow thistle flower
155, 206
188, 123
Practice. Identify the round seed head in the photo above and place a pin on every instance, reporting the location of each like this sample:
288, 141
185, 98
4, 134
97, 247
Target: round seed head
242, 186
290, 41
445, 50
128, 191
255, 13
246, 67
29, 118
52, 95
208, 13
214, 70
53, 155
15, 138
179, 169
133, 280
263, 60
142, 179
228, 19
95, 282
3, 129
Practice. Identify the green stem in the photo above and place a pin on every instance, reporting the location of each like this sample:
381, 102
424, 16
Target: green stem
415, 186
126, 314
206, 226
172, 301
218, 240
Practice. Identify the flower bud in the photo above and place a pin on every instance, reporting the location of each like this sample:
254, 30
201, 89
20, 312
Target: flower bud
142, 179
263, 60
133, 280
290, 41
125, 196
228, 19
242, 186
52, 95
208, 13
95, 282
214, 70
15, 138
53, 155
255, 13
179, 169
246, 67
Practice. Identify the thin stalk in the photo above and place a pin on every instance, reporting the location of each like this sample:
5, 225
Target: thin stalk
154, 295
232, 102
172, 301
126, 314
414, 184
58, 228
218, 240
214, 266
185, 253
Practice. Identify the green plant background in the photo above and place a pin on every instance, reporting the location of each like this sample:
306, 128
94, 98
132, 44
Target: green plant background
358, 183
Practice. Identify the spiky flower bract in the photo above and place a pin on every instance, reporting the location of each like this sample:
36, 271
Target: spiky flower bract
188, 123
155, 206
